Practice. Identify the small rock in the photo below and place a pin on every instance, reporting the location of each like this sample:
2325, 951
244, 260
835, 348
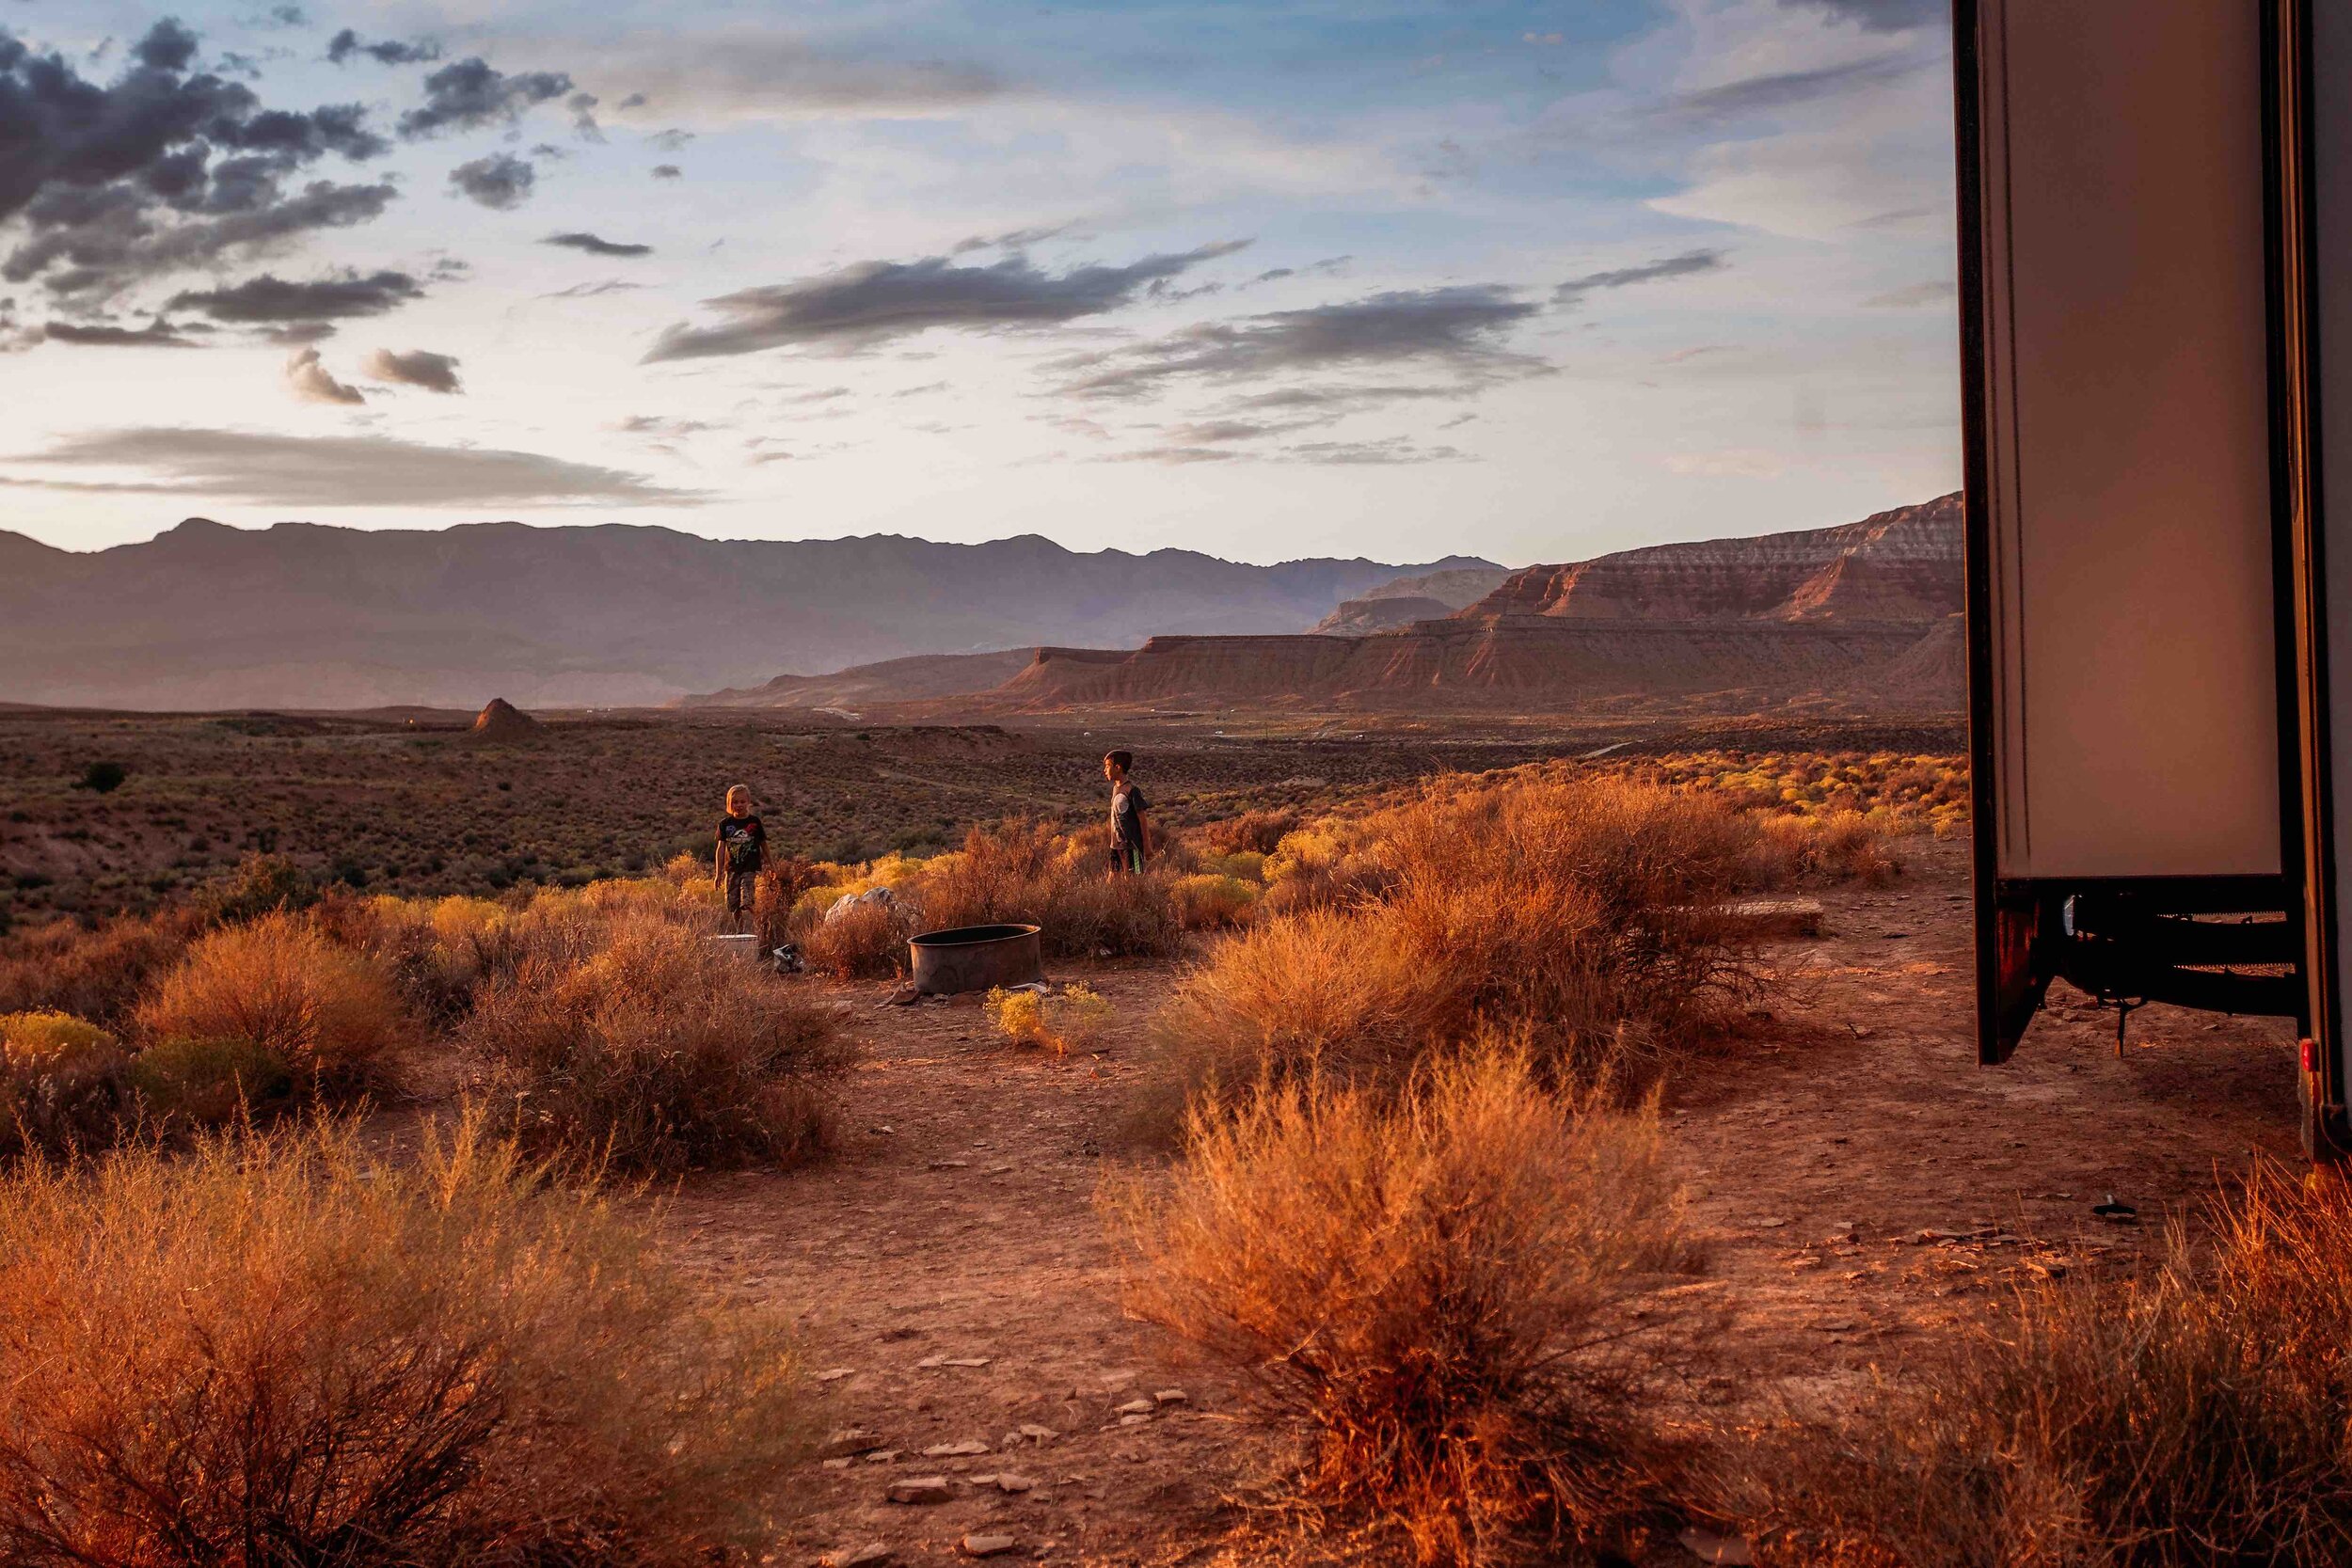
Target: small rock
1037, 1433
1132, 1420
834, 1375
849, 1440
965, 1449
1135, 1407
1835, 1326
868, 1556
885, 1132
964, 1361
1725, 1551
987, 1545
1170, 1396
1773, 1222
1011, 1482
883, 1456
839, 1463
930, 1361
951, 1165
920, 1489
905, 996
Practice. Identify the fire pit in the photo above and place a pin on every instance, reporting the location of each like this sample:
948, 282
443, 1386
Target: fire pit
974, 958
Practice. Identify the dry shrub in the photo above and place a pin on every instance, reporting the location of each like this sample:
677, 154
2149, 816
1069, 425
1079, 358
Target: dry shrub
1028, 872
1584, 914
2198, 1413
184, 1083
1253, 832
657, 1052
275, 1351
1841, 846
1436, 1286
860, 941
327, 1013
1073, 1021
98, 975
61, 1083
1206, 901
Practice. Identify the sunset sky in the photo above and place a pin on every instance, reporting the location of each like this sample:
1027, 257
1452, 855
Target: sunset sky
1531, 280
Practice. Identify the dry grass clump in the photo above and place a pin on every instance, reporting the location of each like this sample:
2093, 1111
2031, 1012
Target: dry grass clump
2199, 1414
1207, 901
656, 1053
93, 974
862, 940
61, 1083
276, 1350
1844, 846
324, 1013
1435, 1286
1583, 914
1251, 833
1075, 1020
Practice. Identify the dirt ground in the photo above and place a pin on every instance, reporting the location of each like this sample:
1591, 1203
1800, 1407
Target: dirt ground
1866, 1186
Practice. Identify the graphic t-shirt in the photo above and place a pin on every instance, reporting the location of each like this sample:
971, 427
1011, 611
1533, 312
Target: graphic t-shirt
1125, 826
743, 843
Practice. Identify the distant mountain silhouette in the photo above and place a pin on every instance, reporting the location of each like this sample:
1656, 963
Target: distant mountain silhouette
304, 616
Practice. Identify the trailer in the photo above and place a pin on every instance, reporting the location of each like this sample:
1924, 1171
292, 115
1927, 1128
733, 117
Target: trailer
2155, 293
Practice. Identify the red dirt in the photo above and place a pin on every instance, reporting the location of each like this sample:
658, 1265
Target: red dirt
967, 1230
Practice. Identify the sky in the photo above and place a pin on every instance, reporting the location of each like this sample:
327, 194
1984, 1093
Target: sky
1531, 279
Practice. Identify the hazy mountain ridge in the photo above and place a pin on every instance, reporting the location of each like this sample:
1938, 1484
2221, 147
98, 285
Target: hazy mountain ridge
303, 614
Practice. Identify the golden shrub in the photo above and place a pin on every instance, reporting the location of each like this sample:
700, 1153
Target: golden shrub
328, 1013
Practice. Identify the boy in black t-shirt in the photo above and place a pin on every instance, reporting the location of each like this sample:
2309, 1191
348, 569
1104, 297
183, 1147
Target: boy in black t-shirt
741, 853
1131, 835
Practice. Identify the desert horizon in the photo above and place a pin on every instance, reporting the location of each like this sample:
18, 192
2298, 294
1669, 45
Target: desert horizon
1297, 784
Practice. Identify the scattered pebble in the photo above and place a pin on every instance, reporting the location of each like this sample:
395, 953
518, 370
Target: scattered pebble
1037, 1433
920, 1489
834, 1375
1170, 1396
868, 1556
1135, 1407
1013, 1484
1132, 1420
965, 1449
987, 1545
847, 1441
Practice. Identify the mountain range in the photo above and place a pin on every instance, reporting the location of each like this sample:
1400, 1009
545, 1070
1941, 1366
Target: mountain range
304, 616
1863, 615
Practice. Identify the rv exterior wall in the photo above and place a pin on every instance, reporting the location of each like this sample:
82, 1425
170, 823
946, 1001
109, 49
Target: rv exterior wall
2129, 459
2330, 166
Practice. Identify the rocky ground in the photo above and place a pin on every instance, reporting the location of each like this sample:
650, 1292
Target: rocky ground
1867, 1190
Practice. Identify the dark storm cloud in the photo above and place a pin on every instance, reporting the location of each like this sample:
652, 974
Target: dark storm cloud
419, 367
311, 381
471, 93
340, 471
163, 167
271, 298
1459, 328
1784, 90
595, 245
500, 181
383, 51
1881, 16
873, 302
157, 333
1574, 290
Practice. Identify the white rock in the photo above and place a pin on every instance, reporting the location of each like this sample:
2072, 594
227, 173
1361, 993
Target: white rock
987, 1545
965, 1449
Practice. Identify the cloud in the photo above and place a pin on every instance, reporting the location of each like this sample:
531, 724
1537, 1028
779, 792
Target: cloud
657, 424
1785, 89
753, 72
1934, 292
1574, 290
584, 108
668, 171
297, 333
595, 246
312, 382
875, 302
590, 291
499, 181
1879, 16
312, 471
419, 367
671, 140
1461, 329
1015, 239
155, 334
471, 93
389, 52
1394, 448
159, 169
271, 298
1213, 432
1173, 456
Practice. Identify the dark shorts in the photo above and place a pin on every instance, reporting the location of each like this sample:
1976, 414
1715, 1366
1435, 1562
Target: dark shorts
1127, 858
742, 891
